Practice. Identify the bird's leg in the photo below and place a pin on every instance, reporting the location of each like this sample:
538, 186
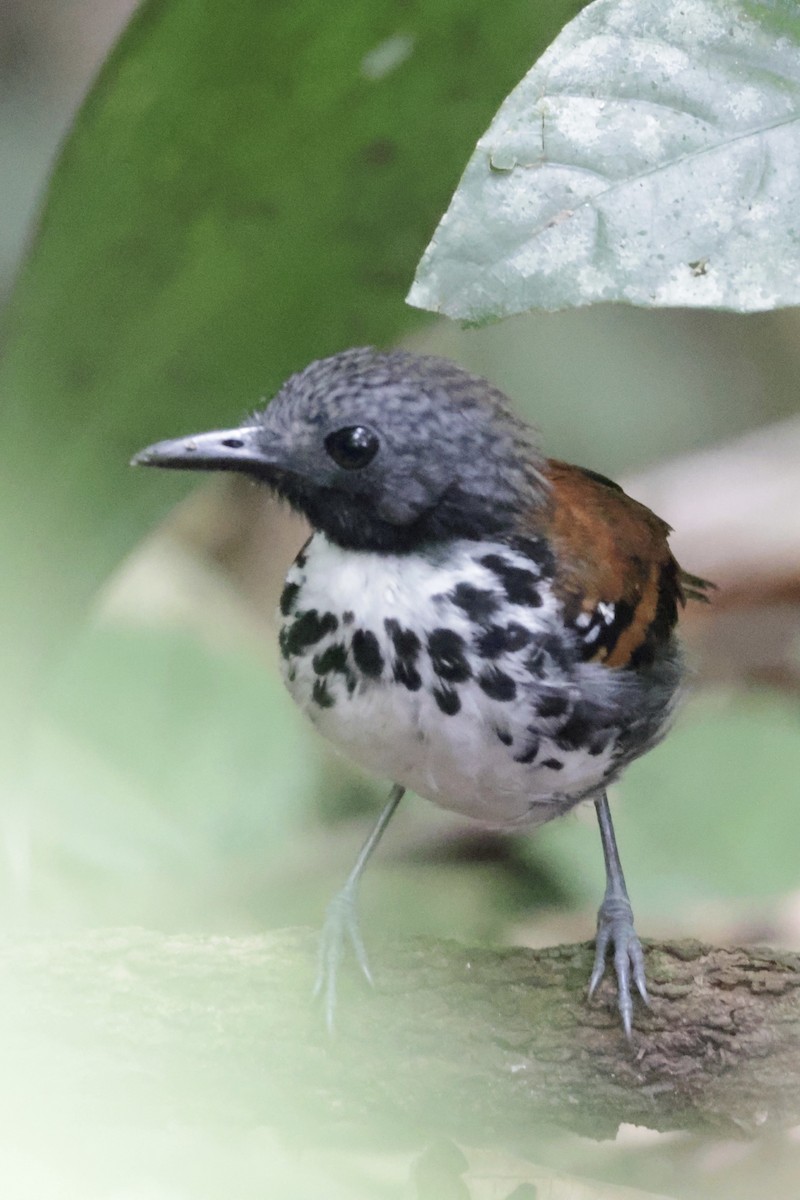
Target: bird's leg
341, 918
615, 926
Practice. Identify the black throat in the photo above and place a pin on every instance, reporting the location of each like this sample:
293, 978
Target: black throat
350, 521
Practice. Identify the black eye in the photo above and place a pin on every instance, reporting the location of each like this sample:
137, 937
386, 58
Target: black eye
352, 447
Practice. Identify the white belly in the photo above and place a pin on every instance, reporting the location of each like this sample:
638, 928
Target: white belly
462, 766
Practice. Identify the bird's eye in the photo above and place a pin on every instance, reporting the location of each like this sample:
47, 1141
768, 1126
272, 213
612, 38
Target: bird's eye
352, 447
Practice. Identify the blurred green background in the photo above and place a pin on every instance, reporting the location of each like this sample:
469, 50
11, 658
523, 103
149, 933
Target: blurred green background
159, 774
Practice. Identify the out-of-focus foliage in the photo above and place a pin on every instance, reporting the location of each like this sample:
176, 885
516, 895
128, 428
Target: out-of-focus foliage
651, 156
615, 387
711, 814
237, 197
246, 188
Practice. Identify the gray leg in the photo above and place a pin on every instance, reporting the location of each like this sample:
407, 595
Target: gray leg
341, 918
615, 926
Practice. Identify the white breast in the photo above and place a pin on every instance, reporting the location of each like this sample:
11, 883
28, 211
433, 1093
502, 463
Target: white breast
463, 760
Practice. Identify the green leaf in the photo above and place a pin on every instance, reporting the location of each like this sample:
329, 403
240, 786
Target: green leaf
247, 187
651, 156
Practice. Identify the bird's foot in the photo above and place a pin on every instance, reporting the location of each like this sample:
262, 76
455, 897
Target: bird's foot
340, 928
615, 928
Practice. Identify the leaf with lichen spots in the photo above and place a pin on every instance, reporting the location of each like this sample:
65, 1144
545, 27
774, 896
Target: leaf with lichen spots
651, 156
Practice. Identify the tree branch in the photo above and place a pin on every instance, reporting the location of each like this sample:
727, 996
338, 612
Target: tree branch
472, 1044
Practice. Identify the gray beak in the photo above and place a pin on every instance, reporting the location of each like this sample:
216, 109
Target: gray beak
221, 450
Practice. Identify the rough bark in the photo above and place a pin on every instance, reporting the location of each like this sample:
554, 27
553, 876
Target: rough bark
472, 1044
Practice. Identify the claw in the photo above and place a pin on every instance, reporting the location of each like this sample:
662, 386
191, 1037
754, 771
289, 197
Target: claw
615, 927
340, 928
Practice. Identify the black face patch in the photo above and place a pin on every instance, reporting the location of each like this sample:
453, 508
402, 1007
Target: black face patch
367, 653
478, 603
448, 700
502, 639
289, 598
497, 685
320, 694
518, 583
306, 631
446, 648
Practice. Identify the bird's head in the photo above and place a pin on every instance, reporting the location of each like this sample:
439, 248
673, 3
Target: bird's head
381, 451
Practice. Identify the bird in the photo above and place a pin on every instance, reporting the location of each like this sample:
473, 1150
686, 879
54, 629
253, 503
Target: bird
487, 627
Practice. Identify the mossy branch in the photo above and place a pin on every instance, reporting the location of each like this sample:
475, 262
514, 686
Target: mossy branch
475, 1045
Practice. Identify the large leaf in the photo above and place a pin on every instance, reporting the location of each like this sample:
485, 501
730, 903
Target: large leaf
247, 187
651, 156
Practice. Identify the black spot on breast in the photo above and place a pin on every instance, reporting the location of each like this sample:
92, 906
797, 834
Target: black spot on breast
478, 603
535, 664
289, 598
502, 639
367, 653
552, 705
320, 694
446, 648
550, 652
306, 631
407, 675
598, 743
555, 764
578, 730
518, 583
406, 647
504, 736
448, 700
497, 685
529, 753
538, 551
333, 658
348, 617
406, 643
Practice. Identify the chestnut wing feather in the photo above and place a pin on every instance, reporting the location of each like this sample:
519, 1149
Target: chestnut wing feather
616, 576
